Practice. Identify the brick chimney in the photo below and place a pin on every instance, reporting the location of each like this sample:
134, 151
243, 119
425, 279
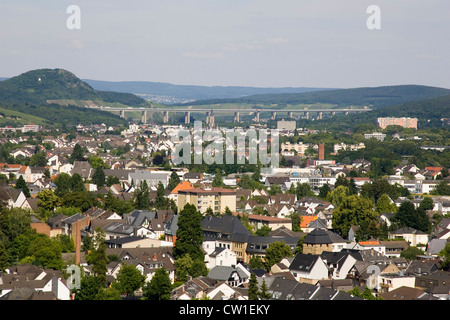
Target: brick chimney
77, 240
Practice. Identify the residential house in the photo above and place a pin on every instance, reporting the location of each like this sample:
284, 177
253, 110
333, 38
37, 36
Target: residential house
195, 288
410, 235
393, 249
231, 275
192, 177
36, 280
136, 242
308, 268
220, 257
153, 178
257, 221
257, 245
339, 264
405, 293
388, 282
83, 168
287, 289
13, 198
226, 232
152, 258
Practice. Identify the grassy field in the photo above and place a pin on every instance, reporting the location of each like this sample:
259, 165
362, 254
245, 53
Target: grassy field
11, 118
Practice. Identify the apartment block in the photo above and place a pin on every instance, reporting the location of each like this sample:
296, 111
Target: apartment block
215, 198
405, 122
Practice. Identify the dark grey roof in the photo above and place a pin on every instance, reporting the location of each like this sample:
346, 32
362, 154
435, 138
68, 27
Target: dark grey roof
303, 262
225, 227
124, 240
172, 226
137, 217
74, 218
318, 236
258, 244
224, 273
337, 258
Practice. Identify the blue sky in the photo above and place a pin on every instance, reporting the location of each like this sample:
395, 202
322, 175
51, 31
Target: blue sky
264, 43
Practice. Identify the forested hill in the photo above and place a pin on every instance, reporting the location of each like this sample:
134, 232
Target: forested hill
429, 113
40, 86
375, 97
56, 97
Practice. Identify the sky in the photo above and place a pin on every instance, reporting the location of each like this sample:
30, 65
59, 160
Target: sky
259, 43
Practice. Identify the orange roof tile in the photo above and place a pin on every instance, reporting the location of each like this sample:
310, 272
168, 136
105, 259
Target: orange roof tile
306, 220
183, 185
369, 243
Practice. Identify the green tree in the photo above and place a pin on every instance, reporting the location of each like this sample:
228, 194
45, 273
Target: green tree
47, 202
160, 201
76, 183
110, 180
304, 190
45, 252
256, 262
98, 177
4, 257
366, 294
442, 189
80, 200
91, 288
38, 160
411, 253
186, 266
227, 211
445, 253
324, 190
189, 233
218, 180
299, 247
22, 185
129, 279
63, 182
296, 220
275, 252
160, 287
264, 231
337, 196
141, 196
174, 180
66, 242
384, 205
427, 203
253, 287
97, 162
263, 293
353, 211
408, 216
97, 256
77, 154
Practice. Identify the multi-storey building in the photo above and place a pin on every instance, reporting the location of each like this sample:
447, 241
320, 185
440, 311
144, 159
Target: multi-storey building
405, 122
215, 198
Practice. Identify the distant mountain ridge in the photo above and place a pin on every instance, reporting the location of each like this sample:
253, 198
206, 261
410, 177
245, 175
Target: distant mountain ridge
375, 97
191, 92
